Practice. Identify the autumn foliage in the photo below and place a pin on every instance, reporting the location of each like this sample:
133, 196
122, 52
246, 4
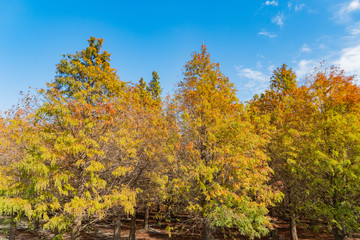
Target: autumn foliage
90, 147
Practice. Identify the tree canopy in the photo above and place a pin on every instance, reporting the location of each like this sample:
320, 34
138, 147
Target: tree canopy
91, 147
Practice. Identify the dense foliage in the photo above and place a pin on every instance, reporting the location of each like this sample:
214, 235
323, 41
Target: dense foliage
92, 147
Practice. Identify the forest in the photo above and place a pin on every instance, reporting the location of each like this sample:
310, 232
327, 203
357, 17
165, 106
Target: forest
91, 148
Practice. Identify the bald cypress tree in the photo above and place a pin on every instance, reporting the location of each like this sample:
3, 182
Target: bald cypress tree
222, 171
154, 87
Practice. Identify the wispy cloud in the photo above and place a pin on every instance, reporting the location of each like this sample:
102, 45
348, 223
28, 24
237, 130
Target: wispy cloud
272, 3
352, 6
305, 67
256, 81
349, 60
354, 29
278, 19
305, 48
346, 9
267, 34
298, 7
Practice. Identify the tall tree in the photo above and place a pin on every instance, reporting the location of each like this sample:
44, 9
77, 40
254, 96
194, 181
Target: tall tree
142, 88
21, 184
335, 147
282, 106
222, 172
314, 147
149, 135
154, 87
83, 106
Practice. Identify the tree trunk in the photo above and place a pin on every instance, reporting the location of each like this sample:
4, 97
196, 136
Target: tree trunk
12, 230
293, 231
146, 218
158, 213
339, 234
76, 228
132, 235
274, 233
206, 232
36, 224
117, 229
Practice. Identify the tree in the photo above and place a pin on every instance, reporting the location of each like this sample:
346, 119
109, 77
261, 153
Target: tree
19, 191
148, 132
154, 87
314, 147
284, 111
81, 121
222, 172
143, 92
335, 148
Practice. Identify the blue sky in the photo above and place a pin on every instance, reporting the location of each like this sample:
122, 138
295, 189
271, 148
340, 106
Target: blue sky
248, 38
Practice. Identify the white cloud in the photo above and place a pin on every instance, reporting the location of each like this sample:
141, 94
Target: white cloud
267, 34
298, 7
305, 67
353, 6
257, 81
354, 29
273, 3
305, 48
349, 60
346, 9
278, 19
252, 74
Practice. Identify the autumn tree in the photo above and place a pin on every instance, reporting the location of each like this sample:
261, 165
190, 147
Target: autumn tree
282, 114
154, 87
80, 119
313, 147
222, 171
335, 148
149, 134
21, 185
